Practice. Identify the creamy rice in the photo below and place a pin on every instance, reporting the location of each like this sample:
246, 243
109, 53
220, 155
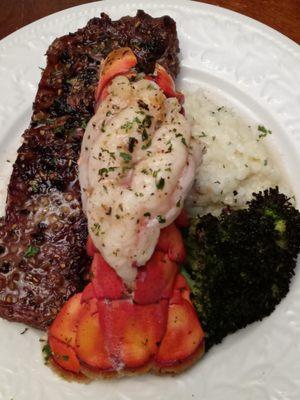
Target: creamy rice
236, 160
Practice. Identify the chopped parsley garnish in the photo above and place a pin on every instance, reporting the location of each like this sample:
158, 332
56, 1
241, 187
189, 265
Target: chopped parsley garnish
131, 143
105, 171
47, 352
160, 184
144, 135
108, 210
111, 154
147, 214
96, 229
83, 124
147, 121
264, 131
127, 126
147, 145
34, 185
143, 105
31, 251
170, 148
137, 120
103, 126
59, 129
126, 157
160, 219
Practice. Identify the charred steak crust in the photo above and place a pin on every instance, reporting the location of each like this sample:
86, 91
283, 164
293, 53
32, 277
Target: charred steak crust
43, 235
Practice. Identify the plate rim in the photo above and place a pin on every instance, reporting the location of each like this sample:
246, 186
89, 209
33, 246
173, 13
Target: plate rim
234, 15
292, 46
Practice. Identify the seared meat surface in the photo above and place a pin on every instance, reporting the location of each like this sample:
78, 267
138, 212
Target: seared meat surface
43, 234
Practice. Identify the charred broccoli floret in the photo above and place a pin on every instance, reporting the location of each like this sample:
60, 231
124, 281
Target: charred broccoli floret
240, 265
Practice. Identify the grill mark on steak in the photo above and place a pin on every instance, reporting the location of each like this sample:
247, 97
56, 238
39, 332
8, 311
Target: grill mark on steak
43, 235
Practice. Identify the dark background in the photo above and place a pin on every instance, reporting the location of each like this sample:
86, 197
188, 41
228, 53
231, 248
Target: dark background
283, 15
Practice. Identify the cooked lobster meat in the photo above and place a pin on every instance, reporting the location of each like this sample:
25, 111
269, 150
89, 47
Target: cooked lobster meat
135, 315
137, 163
43, 234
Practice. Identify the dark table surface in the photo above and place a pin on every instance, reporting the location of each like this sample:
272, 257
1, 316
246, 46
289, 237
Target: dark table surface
283, 15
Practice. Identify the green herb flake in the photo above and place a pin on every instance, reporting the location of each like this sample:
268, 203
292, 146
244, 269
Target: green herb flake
83, 124
147, 214
34, 185
144, 135
143, 105
127, 126
96, 229
103, 126
131, 144
137, 120
147, 145
264, 131
126, 157
147, 121
105, 171
160, 219
160, 184
46, 350
183, 141
31, 251
59, 129
170, 148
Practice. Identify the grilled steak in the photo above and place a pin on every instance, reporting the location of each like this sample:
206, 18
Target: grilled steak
43, 234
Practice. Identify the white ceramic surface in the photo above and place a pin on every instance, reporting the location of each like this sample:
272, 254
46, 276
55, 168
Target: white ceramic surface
258, 71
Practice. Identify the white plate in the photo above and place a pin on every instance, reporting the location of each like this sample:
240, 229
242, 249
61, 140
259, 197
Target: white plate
258, 71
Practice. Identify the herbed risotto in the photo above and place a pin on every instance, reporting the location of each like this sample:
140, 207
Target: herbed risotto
236, 161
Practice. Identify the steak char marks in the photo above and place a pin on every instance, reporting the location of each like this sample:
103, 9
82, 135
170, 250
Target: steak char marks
43, 234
